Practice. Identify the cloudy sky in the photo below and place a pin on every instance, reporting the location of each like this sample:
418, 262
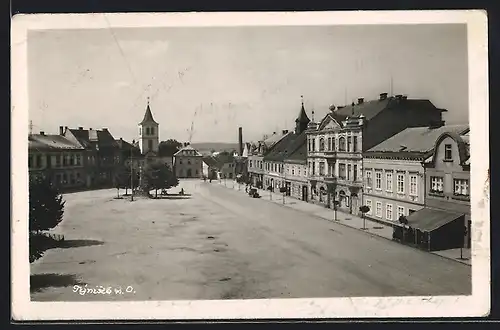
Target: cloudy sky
222, 78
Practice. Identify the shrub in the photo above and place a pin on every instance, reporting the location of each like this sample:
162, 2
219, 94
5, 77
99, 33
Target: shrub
46, 209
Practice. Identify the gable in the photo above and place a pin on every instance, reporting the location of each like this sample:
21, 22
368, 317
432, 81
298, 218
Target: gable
329, 123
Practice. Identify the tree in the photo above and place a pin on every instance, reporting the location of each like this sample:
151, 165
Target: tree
364, 209
122, 179
46, 205
46, 210
169, 148
404, 221
158, 176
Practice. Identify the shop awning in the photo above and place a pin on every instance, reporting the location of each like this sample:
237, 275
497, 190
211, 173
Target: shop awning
429, 219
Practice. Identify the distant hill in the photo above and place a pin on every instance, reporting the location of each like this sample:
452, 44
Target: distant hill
206, 147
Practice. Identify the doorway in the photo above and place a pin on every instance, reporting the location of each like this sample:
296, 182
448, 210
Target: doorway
304, 193
189, 173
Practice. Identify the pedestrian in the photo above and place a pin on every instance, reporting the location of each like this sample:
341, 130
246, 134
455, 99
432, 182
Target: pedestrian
182, 191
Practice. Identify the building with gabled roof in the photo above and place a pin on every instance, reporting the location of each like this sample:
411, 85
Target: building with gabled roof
102, 154
394, 184
58, 159
188, 162
274, 175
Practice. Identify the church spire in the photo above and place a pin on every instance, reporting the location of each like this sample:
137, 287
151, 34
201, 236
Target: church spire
148, 116
302, 120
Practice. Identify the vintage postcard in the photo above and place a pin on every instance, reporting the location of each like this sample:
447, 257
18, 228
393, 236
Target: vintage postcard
250, 165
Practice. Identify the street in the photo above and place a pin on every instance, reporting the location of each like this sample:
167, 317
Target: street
219, 243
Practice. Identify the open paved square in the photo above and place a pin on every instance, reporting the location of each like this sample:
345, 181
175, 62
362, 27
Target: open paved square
218, 243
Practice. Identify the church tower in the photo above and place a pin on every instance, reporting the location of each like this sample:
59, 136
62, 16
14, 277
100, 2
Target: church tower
148, 133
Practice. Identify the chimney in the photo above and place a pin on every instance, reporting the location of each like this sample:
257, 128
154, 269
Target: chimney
240, 140
285, 131
42, 133
399, 97
61, 130
404, 97
105, 129
80, 128
361, 100
383, 96
274, 133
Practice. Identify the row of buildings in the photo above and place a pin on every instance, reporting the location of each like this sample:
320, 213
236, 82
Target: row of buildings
392, 154
79, 158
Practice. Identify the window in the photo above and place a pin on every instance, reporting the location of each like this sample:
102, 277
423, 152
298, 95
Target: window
401, 183
150, 144
321, 168
378, 210
368, 179
293, 170
329, 143
180, 161
368, 203
413, 185
447, 152
313, 168
342, 144
378, 180
30, 161
388, 211
461, 187
401, 211
342, 171
147, 130
309, 145
349, 172
349, 144
189, 161
321, 144
355, 143
333, 144
152, 131
436, 184
313, 144
388, 181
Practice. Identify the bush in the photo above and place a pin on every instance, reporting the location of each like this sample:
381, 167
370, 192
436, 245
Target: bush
46, 212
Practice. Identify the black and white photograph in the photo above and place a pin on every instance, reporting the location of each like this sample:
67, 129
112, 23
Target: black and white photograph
250, 165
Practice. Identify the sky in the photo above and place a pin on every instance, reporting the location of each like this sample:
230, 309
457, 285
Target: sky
203, 83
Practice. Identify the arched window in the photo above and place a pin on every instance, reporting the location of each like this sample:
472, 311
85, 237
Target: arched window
329, 143
333, 144
342, 144
321, 144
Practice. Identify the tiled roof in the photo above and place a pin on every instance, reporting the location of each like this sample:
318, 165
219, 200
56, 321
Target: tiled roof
128, 147
53, 141
186, 151
103, 138
285, 147
415, 139
210, 161
371, 108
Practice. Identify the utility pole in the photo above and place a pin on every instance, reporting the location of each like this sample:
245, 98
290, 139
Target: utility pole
131, 175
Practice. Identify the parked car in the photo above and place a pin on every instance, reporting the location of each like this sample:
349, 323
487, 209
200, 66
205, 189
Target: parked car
253, 193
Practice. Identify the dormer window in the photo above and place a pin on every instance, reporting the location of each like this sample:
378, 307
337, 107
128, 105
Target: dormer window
447, 152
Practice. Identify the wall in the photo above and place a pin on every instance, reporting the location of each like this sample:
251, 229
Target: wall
185, 163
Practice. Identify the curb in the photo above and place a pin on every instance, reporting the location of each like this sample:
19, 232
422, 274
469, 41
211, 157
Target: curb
367, 232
